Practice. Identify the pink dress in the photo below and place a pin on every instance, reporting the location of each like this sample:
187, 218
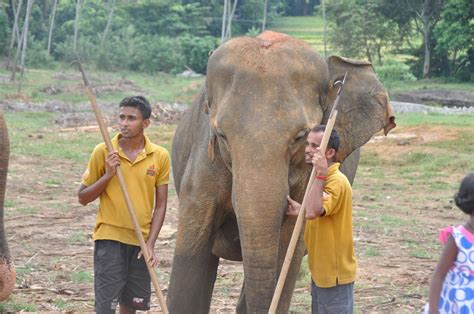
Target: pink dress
457, 294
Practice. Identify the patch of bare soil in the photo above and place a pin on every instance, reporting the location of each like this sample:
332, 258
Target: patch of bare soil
401, 140
49, 236
100, 89
449, 98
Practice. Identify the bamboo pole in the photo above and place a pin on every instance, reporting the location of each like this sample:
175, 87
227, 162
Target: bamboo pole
299, 221
103, 129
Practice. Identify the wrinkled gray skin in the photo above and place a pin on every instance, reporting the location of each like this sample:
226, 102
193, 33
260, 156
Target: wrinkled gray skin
240, 150
7, 270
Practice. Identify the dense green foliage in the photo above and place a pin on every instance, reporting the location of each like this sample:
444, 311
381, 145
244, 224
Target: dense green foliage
172, 35
151, 35
374, 28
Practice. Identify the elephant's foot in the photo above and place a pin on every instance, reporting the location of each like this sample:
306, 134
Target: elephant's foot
7, 279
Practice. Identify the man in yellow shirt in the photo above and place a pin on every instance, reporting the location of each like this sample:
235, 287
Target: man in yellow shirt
120, 274
328, 232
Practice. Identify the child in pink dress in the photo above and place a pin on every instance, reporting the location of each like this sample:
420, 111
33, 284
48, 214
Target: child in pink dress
452, 284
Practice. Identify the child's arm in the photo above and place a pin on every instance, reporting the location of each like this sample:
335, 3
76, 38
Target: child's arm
445, 262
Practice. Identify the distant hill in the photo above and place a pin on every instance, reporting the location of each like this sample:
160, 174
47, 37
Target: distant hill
307, 28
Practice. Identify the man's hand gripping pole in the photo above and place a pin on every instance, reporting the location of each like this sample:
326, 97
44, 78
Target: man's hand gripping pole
299, 221
103, 129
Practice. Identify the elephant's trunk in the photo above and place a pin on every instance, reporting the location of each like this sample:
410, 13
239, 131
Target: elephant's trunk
7, 271
259, 199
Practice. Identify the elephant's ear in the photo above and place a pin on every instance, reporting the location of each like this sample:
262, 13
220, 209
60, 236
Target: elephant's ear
205, 105
364, 107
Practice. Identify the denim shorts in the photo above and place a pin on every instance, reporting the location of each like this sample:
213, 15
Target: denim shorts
119, 277
337, 300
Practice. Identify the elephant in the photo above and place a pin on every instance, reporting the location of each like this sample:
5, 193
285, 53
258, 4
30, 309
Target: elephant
239, 151
7, 270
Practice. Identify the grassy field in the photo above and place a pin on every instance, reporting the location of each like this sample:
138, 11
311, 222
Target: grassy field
65, 85
307, 28
402, 195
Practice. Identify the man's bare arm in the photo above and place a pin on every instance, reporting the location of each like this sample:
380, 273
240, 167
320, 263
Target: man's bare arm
87, 194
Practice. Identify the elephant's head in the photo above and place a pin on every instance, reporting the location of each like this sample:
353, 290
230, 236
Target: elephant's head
264, 94
7, 270
363, 108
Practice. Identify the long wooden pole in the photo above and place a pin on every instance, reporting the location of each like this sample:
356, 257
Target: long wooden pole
105, 135
301, 214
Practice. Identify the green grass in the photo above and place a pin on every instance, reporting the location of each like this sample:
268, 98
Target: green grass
22, 272
438, 83
464, 144
28, 210
371, 251
159, 87
77, 238
419, 252
53, 182
433, 119
450, 156
61, 304
12, 306
307, 28
82, 277
392, 221
304, 276
53, 144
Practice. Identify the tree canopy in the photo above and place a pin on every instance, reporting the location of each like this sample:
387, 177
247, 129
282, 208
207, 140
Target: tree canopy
435, 37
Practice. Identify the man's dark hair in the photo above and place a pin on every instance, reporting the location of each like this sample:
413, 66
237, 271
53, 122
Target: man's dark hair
465, 197
138, 102
333, 139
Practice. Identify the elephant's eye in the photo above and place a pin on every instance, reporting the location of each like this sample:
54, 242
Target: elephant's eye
221, 134
301, 136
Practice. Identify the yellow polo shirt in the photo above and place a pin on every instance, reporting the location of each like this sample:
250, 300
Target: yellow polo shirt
328, 239
150, 169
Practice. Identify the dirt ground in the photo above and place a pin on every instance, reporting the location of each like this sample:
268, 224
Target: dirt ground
395, 231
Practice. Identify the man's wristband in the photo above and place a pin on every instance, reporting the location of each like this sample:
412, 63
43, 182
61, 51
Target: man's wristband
324, 178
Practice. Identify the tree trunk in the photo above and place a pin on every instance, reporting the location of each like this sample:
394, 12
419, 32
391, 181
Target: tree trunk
25, 41
324, 28
265, 8
15, 31
224, 25
453, 69
379, 52
20, 43
426, 38
76, 22
109, 22
367, 50
51, 26
228, 33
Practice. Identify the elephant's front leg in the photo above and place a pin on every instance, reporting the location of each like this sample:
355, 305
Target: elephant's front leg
194, 266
